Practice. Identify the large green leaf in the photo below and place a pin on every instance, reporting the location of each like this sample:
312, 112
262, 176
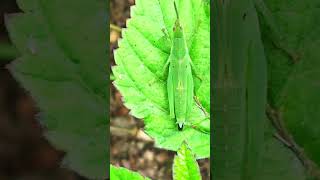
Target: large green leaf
185, 166
240, 79
119, 173
279, 162
139, 74
292, 41
63, 66
7, 51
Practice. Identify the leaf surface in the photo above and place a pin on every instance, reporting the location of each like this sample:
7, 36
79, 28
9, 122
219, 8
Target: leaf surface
63, 67
278, 161
185, 166
291, 38
139, 73
240, 79
120, 173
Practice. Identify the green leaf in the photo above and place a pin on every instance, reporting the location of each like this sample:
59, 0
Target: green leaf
239, 93
63, 66
185, 166
7, 52
119, 173
140, 59
294, 68
279, 162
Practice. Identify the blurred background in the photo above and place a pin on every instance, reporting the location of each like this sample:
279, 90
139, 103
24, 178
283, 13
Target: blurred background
130, 146
24, 152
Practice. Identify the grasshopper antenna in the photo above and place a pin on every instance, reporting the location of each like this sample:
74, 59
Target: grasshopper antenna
176, 9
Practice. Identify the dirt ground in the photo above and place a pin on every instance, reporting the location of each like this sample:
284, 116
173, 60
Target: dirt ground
130, 147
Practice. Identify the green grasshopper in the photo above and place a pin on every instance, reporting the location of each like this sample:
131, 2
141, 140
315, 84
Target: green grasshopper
180, 85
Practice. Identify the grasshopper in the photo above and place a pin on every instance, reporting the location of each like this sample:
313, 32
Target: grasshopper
180, 85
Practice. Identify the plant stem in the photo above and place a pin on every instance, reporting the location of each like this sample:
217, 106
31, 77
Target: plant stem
115, 28
284, 136
130, 132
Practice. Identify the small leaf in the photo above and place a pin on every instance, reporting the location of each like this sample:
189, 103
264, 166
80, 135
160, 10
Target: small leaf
119, 173
185, 166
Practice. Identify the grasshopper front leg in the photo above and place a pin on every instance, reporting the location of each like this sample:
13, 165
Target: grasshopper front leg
166, 34
165, 67
194, 72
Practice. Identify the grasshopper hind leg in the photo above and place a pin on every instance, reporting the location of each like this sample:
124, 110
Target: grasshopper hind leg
190, 94
170, 90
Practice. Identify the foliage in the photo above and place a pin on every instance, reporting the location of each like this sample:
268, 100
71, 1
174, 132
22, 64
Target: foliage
289, 41
293, 63
239, 93
63, 66
119, 173
185, 166
139, 73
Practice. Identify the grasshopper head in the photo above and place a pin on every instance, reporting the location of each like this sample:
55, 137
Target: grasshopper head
177, 29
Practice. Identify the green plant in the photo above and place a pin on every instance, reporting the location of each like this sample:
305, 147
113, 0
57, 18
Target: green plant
185, 167
140, 58
119, 173
144, 49
265, 61
63, 66
290, 36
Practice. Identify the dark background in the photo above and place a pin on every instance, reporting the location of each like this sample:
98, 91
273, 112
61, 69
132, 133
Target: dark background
24, 152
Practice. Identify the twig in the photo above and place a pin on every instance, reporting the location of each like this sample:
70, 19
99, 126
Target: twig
115, 28
200, 106
130, 132
284, 136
